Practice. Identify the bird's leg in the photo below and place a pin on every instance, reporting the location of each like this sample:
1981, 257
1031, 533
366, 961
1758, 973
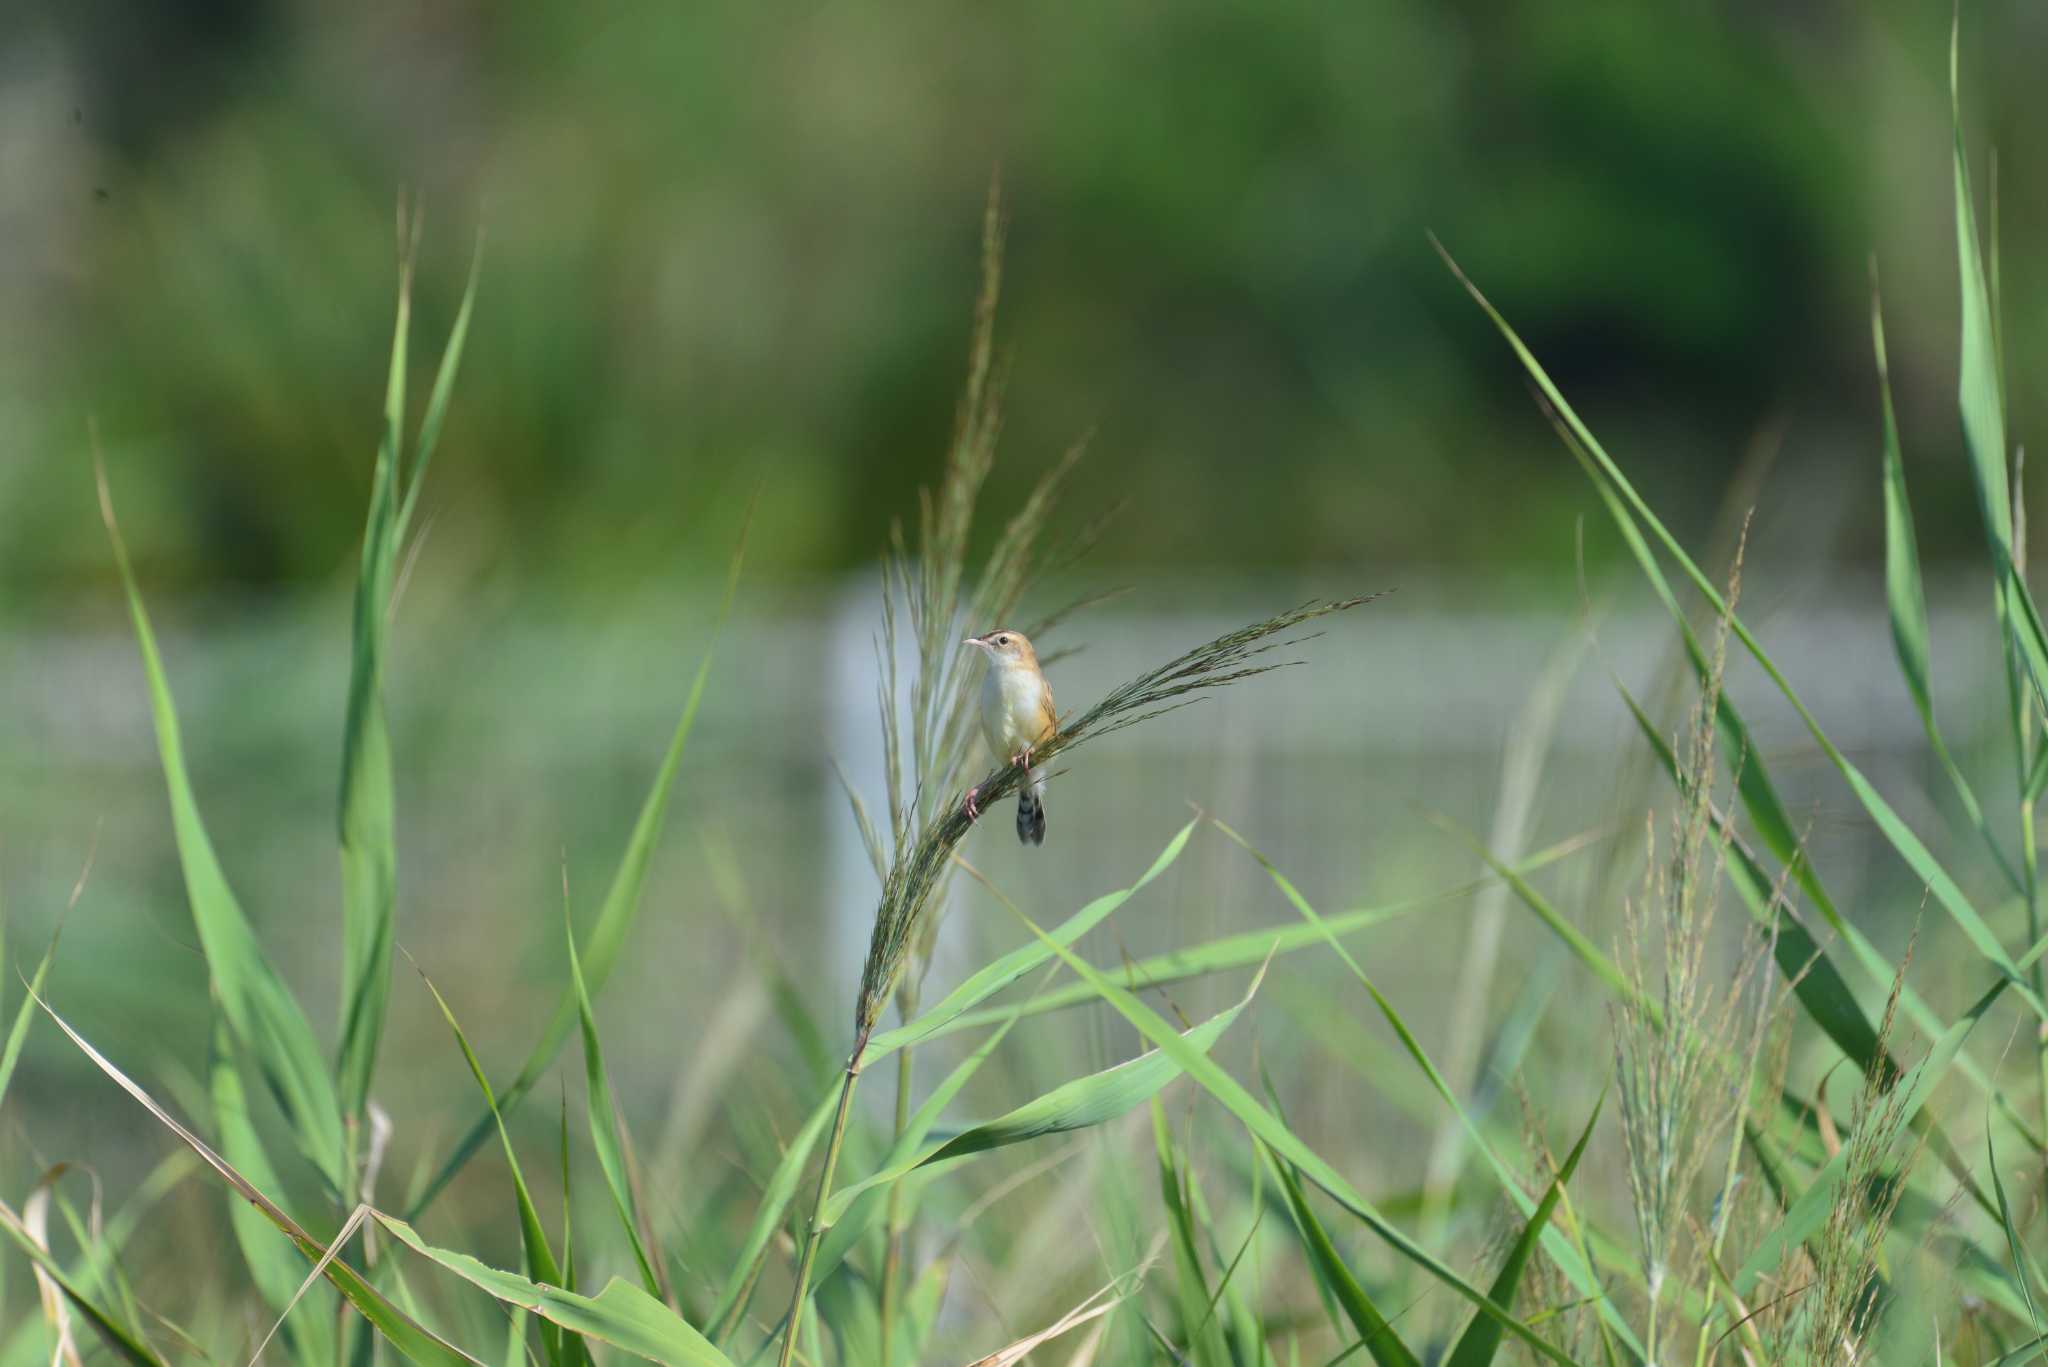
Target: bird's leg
973, 811
1022, 759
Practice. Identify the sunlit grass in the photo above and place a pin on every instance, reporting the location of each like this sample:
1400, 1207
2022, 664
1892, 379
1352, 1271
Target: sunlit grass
1682, 1194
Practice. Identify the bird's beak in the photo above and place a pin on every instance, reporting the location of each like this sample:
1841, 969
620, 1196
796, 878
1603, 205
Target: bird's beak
975, 641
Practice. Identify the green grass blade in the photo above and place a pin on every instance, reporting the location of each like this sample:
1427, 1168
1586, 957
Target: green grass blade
2022, 1266
273, 1263
1904, 593
369, 861
1009, 967
607, 938
366, 811
1560, 925
1810, 1211
1629, 507
540, 1258
943, 1018
621, 1314
604, 1121
438, 396
1581, 1275
1978, 391
1481, 1339
264, 1014
1247, 948
125, 1343
1283, 1141
1076, 1105
413, 1342
850, 1210
17, 1033
1199, 1330
1373, 1328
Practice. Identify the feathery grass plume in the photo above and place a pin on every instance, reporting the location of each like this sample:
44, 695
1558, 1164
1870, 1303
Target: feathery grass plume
907, 890
921, 864
927, 720
927, 815
1835, 1324
1683, 1048
930, 586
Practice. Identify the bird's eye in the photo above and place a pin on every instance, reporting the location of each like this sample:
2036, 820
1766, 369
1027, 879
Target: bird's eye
1002, 640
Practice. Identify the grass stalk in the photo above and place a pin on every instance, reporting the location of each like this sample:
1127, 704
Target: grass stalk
892, 1259
2023, 718
813, 1232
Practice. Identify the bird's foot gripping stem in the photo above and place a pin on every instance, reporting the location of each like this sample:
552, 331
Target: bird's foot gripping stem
973, 810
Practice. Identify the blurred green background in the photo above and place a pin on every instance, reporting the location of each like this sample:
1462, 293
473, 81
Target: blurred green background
733, 243
733, 248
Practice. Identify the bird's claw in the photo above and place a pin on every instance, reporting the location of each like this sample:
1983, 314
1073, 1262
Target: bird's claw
973, 811
1022, 759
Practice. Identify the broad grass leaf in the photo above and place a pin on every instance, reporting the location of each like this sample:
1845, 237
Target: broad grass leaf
273, 1263
369, 858
977, 988
622, 1314
412, 1341
1244, 949
1336, 1278
1283, 1141
851, 1209
1905, 595
264, 1014
1008, 968
1076, 1105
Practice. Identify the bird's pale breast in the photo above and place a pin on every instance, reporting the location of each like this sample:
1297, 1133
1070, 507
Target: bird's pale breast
1012, 704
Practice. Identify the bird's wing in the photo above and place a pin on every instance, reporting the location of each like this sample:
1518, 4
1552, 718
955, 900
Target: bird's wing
1048, 718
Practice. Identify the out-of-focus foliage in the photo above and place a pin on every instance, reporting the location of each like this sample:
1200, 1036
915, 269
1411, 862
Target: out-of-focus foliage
731, 239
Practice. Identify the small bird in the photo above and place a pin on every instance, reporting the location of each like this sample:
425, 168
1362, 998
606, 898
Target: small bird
1016, 716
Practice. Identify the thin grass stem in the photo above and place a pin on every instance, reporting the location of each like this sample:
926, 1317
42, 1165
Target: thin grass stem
892, 1260
814, 1234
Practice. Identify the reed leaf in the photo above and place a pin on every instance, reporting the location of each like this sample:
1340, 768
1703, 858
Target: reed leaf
369, 860
265, 1016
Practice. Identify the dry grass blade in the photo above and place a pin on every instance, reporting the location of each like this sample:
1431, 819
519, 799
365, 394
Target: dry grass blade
328, 1255
1108, 1298
35, 1215
417, 1343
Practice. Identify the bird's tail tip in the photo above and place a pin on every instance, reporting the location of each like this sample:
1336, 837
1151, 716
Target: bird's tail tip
1030, 817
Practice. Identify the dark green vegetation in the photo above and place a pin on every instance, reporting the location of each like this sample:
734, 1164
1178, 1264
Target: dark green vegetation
1747, 1213
724, 240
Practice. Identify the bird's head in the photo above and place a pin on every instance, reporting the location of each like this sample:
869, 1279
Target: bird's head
1005, 648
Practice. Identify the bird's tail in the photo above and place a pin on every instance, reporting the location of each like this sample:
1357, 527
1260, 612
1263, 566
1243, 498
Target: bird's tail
1031, 810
